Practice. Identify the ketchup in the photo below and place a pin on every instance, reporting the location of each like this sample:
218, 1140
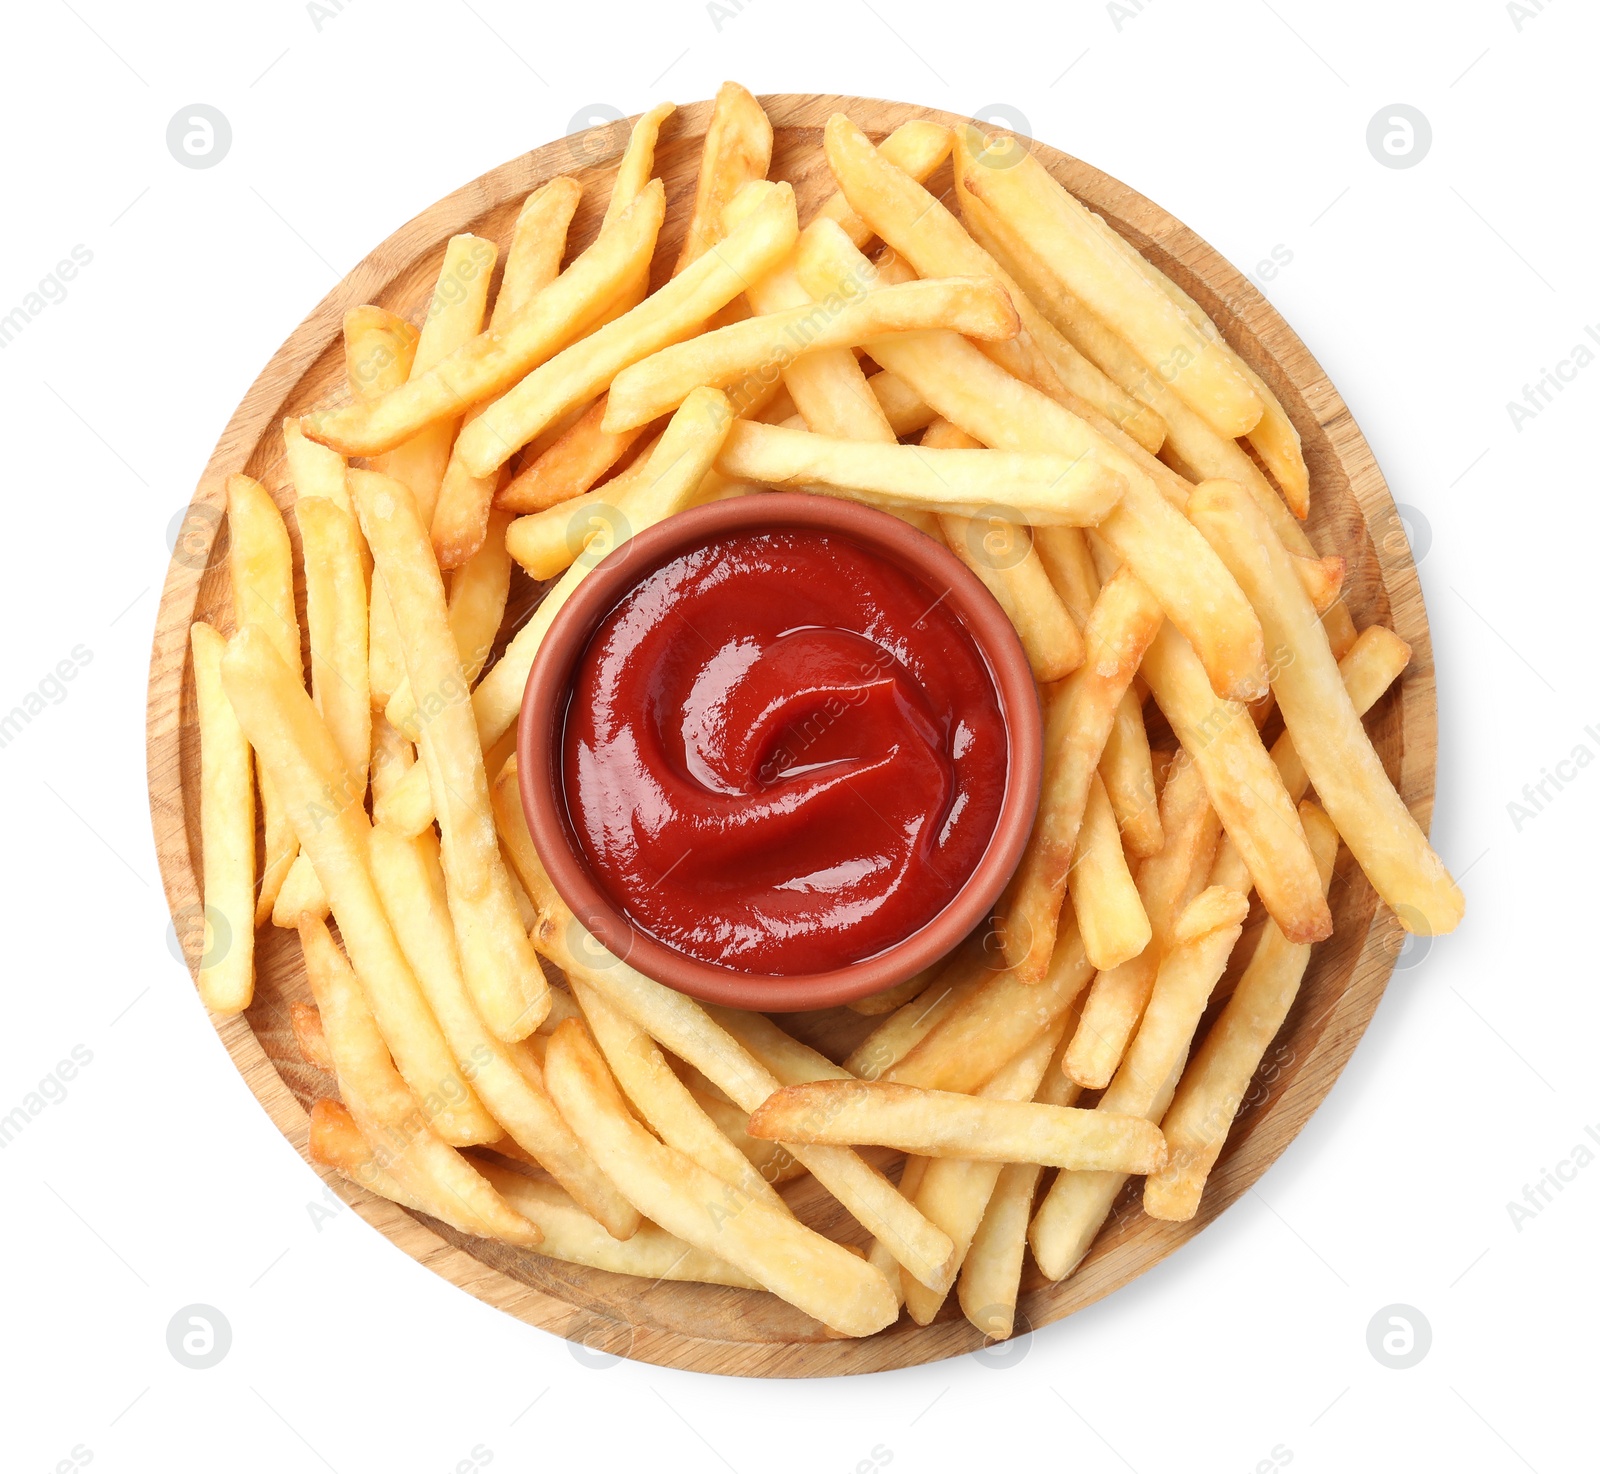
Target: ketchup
782, 753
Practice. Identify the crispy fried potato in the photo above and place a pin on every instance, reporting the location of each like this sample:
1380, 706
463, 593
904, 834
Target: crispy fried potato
942, 1123
576, 461
502, 971
1328, 736
306, 1024
227, 836
300, 895
1104, 896
902, 407
738, 149
261, 571
439, 1180
336, 623
963, 973
798, 1265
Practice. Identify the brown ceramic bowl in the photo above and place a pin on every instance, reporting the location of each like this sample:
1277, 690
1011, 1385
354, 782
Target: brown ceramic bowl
543, 718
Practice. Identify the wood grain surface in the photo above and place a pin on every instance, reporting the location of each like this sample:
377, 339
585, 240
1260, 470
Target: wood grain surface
738, 1332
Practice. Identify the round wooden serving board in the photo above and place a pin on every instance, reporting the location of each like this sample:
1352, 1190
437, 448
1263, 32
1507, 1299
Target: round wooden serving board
738, 1332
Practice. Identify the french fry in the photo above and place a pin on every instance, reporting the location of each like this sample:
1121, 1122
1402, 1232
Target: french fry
901, 405
261, 571
638, 161
501, 969
492, 362
440, 1180
738, 149
306, 1024
1104, 896
1146, 531
874, 1005
968, 482
1245, 787
300, 895
954, 1191
916, 148
336, 622
992, 1270
1328, 736
1016, 186
1167, 882
975, 306
477, 605
1080, 715
1370, 667
461, 517
796, 1264
227, 836
392, 758
774, 1161
336, 1141
682, 1026
379, 349
574, 1236
996, 1020
942, 1123
963, 973
663, 1101
314, 470
293, 745
454, 320
1215, 1080
581, 371
790, 1061
576, 461
1078, 1202
918, 227
1125, 766
412, 889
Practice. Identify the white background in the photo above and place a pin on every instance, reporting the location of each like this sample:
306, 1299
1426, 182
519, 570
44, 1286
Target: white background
1431, 294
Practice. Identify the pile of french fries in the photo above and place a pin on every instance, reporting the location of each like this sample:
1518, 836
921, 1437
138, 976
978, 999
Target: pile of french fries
1007, 375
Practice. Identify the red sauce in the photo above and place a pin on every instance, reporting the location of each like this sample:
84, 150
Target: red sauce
782, 753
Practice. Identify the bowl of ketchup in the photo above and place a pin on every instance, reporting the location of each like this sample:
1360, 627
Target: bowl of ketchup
780, 751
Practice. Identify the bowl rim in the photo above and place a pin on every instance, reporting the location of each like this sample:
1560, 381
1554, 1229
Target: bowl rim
544, 707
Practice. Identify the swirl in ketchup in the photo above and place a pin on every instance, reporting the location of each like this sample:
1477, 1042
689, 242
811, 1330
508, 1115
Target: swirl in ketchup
782, 753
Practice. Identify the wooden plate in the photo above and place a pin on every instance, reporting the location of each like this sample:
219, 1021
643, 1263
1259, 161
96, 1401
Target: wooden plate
732, 1331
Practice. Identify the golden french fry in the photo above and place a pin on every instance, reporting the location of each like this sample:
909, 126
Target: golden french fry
336, 1141
1215, 1080
790, 1061
663, 1101
314, 470
1025, 486
336, 621
294, 746
638, 161
306, 1024
1080, 715
774, 1161
379, 349
962, 974
874, 1005
685, 1028
991, 1273
916, 148
902, 407
1145, 530
477, 604
954, 1191
502, 971
581, 371
798, 1265
392, 758
1000, 1017
575, 462
975, 306
261, 570
412, 889
1245, 787
941, 1123
738, 149
1372, 664
493, 361
1125, 767
1338, 755
919, 228
1016, 186
227, 836
1168, 881
1078, 1202
461, 517
300, 895
405, 1146
1110, 914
